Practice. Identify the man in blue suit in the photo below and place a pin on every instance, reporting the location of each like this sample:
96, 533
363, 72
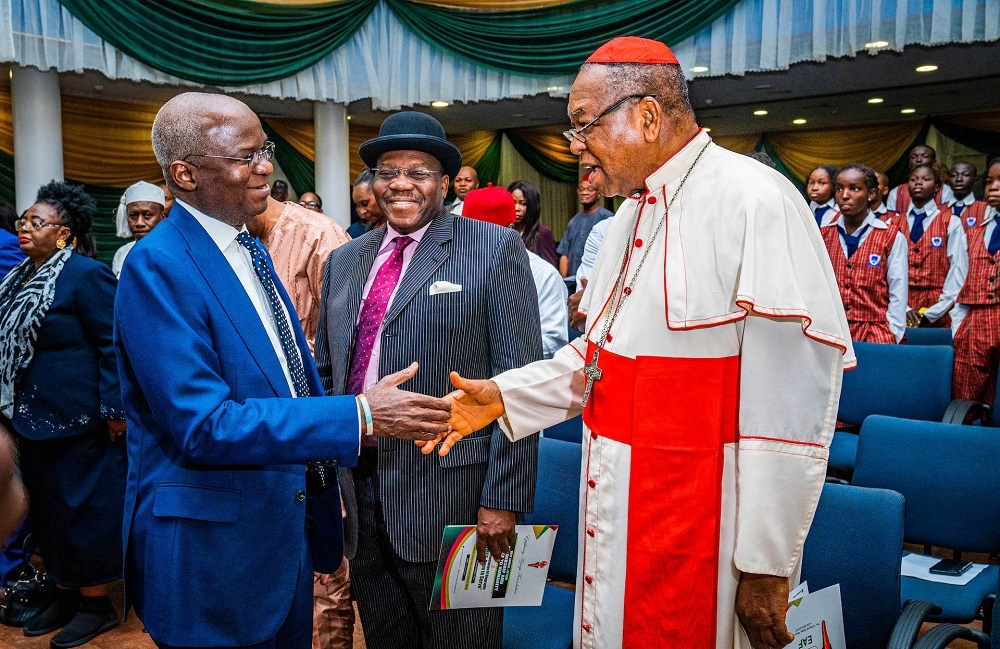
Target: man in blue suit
450, 293
213, 374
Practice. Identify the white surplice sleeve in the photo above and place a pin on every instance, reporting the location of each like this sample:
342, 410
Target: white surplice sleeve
789, 394
543, 393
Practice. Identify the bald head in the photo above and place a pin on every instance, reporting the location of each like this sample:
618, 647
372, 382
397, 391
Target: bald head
193, 122
465, 181
922, 155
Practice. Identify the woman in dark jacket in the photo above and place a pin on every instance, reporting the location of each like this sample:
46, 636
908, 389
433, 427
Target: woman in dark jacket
528, 208
59, 393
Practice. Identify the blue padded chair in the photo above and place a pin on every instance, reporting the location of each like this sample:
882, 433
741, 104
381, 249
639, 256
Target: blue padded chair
947, 473
557, 497
570, 430
856, 540
924, 336
896, 380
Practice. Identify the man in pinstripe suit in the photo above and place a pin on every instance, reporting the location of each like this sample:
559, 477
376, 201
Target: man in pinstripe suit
452, 294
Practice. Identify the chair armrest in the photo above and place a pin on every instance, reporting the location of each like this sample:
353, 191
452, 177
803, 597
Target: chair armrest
908, 625
833, 480
963, 411
943, 634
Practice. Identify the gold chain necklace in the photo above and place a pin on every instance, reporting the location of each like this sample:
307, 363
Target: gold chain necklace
591, 370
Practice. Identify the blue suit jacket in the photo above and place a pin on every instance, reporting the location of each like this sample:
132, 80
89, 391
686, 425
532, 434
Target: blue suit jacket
488, 327
214, 527
70, 387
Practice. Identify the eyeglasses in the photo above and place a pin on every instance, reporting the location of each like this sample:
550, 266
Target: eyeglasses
577, 133
310, 204
35, 224
388, 174
254, 159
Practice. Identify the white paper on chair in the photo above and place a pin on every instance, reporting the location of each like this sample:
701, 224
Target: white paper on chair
817, 620
918, 566
518, 580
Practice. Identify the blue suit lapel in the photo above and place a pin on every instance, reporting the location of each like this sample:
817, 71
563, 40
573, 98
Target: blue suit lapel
431, 253
233, 299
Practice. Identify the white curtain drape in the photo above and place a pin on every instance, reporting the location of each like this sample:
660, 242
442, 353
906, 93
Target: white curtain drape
559, 201
385, 62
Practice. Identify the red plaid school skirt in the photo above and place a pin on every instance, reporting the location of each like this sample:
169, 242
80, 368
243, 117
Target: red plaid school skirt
871, 332
977, 351
927, 296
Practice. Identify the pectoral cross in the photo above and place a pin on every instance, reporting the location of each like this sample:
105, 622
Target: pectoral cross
593, 373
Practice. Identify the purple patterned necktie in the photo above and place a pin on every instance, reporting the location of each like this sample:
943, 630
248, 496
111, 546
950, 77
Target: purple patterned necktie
372, 314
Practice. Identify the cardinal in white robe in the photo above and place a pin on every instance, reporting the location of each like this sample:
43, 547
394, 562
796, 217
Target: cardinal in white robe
708, 378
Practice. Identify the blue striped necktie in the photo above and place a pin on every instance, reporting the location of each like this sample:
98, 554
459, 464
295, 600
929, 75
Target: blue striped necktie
819, 213
917, 230
292, 354
958, 208
852, 241
995, 237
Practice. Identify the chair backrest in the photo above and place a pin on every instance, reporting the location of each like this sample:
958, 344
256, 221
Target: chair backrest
924, 336
856, 540
557, 501
899, 381
946, 472
570, 430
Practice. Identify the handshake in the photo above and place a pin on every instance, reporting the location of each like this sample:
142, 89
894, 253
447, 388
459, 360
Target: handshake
430, 420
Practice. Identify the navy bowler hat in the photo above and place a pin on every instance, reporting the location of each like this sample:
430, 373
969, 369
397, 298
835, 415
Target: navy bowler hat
412, 131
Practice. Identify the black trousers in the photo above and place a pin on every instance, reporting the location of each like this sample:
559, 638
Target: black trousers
393, 595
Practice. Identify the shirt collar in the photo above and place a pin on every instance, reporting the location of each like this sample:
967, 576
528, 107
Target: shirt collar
930, 209
832, 204
677, 165
221, 233
881, 209
391, 234
969, 199
991, 213
870, 220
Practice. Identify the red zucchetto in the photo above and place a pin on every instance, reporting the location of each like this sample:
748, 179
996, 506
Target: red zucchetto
632, 49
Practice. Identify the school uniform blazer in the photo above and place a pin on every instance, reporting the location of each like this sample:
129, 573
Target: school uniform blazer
487, 327
70, 387
214, 526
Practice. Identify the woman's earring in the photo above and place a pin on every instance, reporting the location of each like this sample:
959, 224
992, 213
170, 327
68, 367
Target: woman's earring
60, 243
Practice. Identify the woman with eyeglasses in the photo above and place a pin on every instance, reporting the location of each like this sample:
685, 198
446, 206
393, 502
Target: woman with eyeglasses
60, 395
528, 207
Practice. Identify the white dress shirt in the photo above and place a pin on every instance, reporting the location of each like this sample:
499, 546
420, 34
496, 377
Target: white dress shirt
590, 250
990, 219
829, 214
224, 236
119, 261
898, 268
958, 257
552, 296
456, 207
947, 196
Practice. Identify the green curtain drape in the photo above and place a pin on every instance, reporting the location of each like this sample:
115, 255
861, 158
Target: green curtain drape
240, 42
301, 171
552, 40
765, 146
547, 166
488, 167
6, 177
899, 171
223, 42
104, 221
987, 142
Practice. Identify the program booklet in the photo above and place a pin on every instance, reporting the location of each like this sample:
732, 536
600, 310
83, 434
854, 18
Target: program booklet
518, 580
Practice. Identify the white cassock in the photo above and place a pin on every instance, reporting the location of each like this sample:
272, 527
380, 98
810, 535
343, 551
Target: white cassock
706, 438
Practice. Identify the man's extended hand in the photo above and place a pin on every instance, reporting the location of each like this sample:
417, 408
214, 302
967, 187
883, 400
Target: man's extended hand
577, 320
761, 603
474, 406
406, 415
913, 318
495, 532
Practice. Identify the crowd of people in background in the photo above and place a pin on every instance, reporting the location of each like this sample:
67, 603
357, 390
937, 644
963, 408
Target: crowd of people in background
922, 254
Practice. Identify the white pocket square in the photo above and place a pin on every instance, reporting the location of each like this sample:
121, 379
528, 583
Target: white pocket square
444, 287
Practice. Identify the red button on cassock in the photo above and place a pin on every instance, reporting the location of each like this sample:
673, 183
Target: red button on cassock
592, 483
586, 627
588, 579
593, 435
651, 199
591, 533
638, 243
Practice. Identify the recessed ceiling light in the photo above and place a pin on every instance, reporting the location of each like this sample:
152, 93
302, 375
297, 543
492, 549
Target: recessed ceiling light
908, 111
876, 45
699, 68
348, 117
875, 100
760, 113
553, 89
927, 68
798, 121
440, 104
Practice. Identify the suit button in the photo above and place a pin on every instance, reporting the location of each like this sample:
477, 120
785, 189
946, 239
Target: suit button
300, 496
991, 279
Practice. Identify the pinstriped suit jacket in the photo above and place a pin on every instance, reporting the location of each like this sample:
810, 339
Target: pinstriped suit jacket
488, 327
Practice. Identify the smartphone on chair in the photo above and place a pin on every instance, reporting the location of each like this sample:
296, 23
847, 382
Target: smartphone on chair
950, 567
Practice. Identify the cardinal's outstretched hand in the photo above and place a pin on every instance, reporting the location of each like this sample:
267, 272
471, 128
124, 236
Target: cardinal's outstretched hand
474, 406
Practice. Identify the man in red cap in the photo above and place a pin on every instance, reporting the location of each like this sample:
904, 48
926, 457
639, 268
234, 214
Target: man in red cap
708, 377
496, 205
